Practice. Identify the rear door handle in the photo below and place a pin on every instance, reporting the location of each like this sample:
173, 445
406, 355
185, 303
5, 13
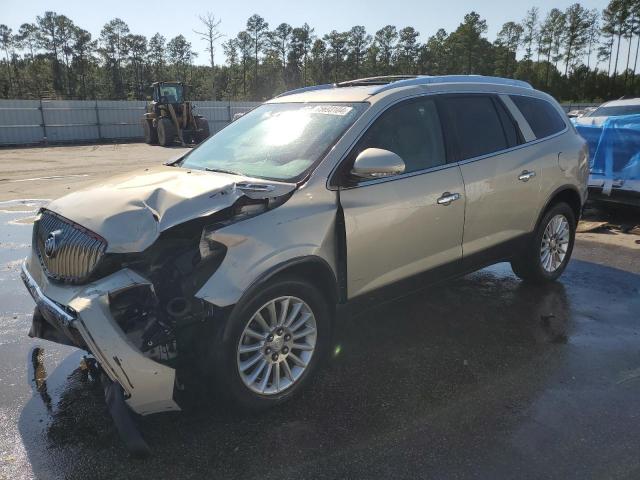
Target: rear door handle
526, 175
447, 198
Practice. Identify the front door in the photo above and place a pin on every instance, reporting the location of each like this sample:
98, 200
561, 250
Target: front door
399, 226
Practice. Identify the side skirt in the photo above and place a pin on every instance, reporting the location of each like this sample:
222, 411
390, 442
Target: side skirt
499, 253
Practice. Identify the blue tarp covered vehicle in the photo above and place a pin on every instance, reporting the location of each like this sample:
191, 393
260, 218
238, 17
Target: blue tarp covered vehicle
614, 149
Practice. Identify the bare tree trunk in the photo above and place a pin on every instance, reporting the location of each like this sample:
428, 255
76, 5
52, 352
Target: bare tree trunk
213, 69
566, 63
610, 58
6, 53
615, 66
626, 70
546, 82
635, 63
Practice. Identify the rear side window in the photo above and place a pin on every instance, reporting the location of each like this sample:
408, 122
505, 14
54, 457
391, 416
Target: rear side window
542, 117
473, 126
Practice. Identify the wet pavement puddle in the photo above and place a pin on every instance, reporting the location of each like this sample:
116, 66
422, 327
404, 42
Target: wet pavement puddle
20, 378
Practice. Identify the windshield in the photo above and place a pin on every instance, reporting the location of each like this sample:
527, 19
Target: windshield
614, 111
171, 93
280, 141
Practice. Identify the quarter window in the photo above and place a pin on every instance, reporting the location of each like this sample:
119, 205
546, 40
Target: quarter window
542, 117
473, 126
412, 131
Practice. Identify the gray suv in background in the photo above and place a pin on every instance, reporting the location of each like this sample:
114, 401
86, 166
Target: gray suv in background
233, 259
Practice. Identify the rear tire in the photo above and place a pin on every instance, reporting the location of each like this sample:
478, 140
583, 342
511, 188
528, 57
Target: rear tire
166, 132
547, 254
150, 133
202, 124
271, 344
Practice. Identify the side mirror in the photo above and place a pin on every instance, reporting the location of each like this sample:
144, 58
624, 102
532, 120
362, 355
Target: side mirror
377, 163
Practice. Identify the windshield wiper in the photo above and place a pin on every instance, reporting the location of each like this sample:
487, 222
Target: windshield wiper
220, 170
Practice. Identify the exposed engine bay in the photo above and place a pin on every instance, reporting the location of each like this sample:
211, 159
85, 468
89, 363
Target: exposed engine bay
162, 318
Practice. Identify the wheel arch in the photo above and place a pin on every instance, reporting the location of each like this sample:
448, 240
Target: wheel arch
567, 194
312, 268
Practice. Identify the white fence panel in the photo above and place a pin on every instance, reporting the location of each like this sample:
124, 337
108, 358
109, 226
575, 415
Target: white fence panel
121, 119
69, 120
24, 122
20, 122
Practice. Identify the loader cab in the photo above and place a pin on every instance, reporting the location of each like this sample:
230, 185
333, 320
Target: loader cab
169, 92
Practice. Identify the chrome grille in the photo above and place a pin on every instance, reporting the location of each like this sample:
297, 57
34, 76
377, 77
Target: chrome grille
76, 253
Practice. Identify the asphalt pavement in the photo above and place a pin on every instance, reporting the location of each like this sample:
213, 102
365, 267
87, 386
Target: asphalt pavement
483, 377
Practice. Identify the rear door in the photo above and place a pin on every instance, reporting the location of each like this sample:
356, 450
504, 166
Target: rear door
399, 226
501, 182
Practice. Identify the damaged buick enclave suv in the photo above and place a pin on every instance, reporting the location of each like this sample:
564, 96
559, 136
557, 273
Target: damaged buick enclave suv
233, 259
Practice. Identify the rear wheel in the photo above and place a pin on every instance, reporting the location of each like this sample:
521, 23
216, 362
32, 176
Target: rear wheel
202, 124
272, 344
166, 132
150, 133
548, 253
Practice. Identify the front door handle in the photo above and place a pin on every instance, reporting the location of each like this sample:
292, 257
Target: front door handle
526, 175
447, 198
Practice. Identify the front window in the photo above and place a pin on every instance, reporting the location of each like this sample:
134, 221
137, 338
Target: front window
615, 111
171, 93
280, 141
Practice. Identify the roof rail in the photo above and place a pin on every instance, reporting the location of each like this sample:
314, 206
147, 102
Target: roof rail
388, 82
426, 80
381, 80
324, 86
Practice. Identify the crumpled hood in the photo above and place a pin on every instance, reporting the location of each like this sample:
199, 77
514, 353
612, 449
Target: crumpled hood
130, 211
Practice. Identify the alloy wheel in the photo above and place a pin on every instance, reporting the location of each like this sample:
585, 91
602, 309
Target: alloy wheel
555, 243
276, 345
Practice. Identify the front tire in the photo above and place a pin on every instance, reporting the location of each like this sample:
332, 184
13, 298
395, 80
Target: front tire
202, 124
150, 133
547, 254
272, 344
166, 132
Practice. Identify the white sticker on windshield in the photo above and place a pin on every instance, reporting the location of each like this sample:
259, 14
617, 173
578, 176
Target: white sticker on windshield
330, 109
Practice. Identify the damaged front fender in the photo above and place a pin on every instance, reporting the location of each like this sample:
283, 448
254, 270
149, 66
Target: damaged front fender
305, 226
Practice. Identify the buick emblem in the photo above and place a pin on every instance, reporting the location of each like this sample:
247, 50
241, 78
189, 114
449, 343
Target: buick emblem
51, 244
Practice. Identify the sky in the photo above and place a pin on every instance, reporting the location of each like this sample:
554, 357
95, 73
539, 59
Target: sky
181, 17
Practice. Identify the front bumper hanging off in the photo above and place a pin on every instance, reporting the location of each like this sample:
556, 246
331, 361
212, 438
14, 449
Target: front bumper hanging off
82, 315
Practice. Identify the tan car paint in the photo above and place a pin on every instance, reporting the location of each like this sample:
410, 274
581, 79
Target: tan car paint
499, 205
395, 227
303, 226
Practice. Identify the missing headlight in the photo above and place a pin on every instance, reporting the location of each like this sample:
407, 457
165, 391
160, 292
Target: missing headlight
136, 310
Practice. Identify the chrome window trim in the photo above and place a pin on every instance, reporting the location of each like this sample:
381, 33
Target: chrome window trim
439, 167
